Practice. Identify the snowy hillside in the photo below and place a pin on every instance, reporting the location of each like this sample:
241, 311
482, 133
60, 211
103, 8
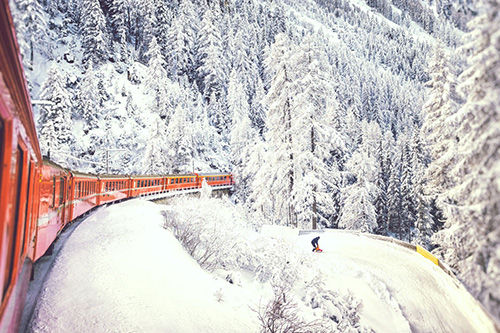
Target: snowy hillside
379, 116
124, 272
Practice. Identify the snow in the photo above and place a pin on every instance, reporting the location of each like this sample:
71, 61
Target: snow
122, 271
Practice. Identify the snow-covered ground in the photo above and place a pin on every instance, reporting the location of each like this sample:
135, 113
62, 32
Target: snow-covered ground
122, 271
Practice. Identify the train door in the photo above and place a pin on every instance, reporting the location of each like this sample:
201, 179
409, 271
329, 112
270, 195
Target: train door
16, 221
61, 200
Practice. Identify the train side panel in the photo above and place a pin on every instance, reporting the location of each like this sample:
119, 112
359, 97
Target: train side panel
114, 189
52, 206
19, 159
85, 194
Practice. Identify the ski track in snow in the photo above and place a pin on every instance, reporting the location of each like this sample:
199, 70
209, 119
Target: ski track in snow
120, 271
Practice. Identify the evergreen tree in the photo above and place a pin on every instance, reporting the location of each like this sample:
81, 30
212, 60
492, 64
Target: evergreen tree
438, 129
242, 134
157, 75
33, 28
469, 242
155, 157
55, 119
181, 40
280, 156
394, 201
93, 32
118, 21
358, 211
407, 185
311, 130
211, 70
179, 142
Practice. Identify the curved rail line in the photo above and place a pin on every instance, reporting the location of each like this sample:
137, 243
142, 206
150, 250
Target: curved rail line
38, 197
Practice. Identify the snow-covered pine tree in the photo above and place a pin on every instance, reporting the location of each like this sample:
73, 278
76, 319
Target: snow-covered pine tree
33, 29
118, 20
179, 143
424, 224
93, 31
358, 210
211, 70
157, 76
56, 135
242, 134
164, 18
155, 157
279, 157
181, 40
394, 202
88, 108
131, 138
311, 130
408, 204
439, 127
469, 242
88, 105
146, 25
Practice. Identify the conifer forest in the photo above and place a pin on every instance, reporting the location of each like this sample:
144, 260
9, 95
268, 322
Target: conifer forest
381, 116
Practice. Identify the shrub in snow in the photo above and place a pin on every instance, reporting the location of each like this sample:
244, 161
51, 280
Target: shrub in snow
200, 241
341, 312
280, 315
219, 295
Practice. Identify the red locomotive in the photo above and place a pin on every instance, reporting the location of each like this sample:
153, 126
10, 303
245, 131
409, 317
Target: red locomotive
38, 197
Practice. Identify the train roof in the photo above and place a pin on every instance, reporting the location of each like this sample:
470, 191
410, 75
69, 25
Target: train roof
46, 161
13, 85
163, 176
214, 174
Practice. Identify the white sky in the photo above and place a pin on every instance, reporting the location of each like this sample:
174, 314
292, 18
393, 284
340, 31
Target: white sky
121, 271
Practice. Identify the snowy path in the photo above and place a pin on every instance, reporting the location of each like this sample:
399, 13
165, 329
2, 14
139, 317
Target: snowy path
397, 286
120, 271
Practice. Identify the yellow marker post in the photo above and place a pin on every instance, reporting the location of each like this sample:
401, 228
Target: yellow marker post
427, 254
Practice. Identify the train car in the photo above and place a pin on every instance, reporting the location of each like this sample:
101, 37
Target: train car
20, 161
38, 197
84, 190
147, 185
114, 188
182, 182
54, 211
216, 179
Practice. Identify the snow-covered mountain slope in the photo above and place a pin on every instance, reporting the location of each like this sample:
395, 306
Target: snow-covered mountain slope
122, 271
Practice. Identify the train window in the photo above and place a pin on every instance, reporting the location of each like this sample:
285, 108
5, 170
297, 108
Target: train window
61, 190
27, 213
171, 181
53, 191
12, 228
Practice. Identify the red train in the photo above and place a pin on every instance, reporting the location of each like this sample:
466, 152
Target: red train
39, 197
